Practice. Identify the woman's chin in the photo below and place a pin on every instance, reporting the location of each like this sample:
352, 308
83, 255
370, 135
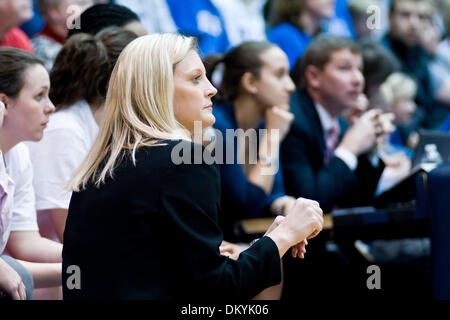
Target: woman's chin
208, 121
37, 137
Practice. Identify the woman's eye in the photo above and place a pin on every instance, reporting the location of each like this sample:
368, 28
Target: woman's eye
39, 97
281, 73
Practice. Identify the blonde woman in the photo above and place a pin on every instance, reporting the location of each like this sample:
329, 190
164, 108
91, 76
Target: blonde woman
141, 226
396, 96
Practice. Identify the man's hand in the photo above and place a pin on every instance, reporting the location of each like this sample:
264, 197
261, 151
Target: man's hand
361, 137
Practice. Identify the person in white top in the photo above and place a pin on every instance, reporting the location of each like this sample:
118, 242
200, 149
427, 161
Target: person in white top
24, 85
73, 128
13, 277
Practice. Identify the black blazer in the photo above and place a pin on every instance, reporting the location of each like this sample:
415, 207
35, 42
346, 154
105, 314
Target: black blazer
307, 175
151, 233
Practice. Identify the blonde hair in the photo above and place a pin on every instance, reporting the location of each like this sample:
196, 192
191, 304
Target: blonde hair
397, 86
139, 105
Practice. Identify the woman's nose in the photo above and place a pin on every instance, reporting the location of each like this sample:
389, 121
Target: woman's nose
211, 91
50, 107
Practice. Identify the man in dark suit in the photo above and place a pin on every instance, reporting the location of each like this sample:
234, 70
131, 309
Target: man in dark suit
321, 162
316, 163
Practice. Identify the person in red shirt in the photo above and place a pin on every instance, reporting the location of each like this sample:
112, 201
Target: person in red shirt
12, 14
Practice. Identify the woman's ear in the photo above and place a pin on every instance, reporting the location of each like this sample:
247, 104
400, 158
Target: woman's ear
248, 83
4, 98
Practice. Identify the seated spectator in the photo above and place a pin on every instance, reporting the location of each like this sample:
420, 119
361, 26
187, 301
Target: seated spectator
15, 281
379, 63
255, 87
318, 161
439, 65
202, 20
80, 79
129, 193
12, 14
410, 21
56, 14
315, 162
24, 85
154, 14
100, 16
397, 95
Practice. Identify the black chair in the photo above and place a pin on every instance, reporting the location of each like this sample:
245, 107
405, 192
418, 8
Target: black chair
437, 197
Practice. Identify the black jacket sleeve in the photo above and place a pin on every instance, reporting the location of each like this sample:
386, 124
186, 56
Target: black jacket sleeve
332, 184
190, 201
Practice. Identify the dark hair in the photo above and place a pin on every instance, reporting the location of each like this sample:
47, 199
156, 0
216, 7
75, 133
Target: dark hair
287, 11
100, 16
241, 59
318, 54
84, 65
13, 63
378, 62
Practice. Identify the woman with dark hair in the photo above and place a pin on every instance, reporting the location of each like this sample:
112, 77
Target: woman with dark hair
254, 90
80, 79
24, 86
100, 16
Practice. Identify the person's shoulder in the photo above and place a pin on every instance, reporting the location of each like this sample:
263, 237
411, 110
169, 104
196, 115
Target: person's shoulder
18, 39
175, 156
163, 152
17, 159
280, 31
19, 153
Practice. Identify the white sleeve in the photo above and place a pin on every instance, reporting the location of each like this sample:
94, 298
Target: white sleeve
347, 156
21, 172
55, 159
